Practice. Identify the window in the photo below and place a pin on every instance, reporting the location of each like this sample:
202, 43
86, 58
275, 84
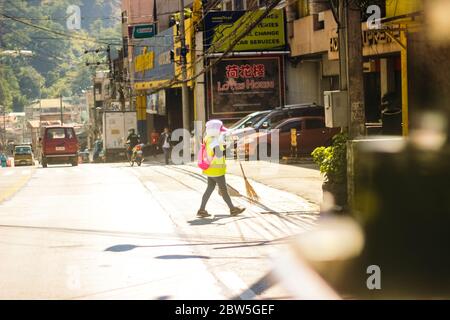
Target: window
22, 150
98, 89
70, 133
291, 125
228, 5
314, 124
124, 17
56, 133
239, 5
319, 21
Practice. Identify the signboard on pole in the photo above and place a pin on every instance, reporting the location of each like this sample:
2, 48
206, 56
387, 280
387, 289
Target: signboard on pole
152, 60
243, 85
143, 31
223, 27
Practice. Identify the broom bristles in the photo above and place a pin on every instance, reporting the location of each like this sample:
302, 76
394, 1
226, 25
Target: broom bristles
232, 192
251, 193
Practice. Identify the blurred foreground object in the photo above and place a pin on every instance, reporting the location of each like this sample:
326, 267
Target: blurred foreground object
401, 190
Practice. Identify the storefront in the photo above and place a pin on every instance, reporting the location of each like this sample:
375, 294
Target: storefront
382, 72
153, 71
239, 86
251, 78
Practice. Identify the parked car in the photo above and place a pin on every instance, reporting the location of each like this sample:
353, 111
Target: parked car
59, 145
245, 122
311, 133
23, 155
249, 120
272, 118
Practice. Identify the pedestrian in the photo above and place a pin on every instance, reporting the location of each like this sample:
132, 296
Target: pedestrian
214, 148
3, 159
165, 144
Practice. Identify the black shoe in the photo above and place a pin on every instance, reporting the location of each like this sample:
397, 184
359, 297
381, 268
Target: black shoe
236, 210
203, 214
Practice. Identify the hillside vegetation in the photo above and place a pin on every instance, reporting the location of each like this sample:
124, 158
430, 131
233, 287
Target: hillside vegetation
57, 66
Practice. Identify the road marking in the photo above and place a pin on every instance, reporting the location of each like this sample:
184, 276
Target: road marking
8, 193
236, 285
25, 172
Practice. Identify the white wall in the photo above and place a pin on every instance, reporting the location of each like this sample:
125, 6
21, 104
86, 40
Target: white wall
303, 82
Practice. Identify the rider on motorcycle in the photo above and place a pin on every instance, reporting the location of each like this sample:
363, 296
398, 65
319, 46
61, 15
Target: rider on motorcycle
132, 141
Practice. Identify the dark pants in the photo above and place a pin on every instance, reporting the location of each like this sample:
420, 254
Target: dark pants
212, 181
166, 154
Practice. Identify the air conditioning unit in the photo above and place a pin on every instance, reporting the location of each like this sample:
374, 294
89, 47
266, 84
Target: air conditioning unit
336, 108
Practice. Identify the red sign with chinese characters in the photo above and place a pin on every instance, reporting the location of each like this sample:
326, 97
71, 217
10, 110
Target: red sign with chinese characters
239, 86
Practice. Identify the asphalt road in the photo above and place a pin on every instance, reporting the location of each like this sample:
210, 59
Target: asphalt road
109, 231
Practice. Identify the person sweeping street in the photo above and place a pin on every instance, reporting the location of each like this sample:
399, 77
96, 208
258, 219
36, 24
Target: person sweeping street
214, 167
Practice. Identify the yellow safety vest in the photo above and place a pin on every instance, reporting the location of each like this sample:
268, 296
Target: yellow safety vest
217, 166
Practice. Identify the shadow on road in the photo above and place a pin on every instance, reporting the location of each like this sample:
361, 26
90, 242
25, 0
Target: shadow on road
181, 256
229, 245
214, 219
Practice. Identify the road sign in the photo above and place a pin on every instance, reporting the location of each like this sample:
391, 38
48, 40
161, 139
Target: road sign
144, 31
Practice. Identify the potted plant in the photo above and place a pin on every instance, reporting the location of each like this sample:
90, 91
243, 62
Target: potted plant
332, 163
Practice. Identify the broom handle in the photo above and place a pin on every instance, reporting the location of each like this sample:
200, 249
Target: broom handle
242, 169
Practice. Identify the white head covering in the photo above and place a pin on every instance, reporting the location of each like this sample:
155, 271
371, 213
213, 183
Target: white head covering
213, 128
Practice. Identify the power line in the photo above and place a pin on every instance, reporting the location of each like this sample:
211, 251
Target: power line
63, 34
212, 47
40, 50
175, 81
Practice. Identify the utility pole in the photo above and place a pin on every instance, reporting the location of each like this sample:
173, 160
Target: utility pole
61, 107
95, 111
342, 13
184, 86
351, 65
4, 128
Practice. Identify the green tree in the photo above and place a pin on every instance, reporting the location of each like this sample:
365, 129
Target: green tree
30, 82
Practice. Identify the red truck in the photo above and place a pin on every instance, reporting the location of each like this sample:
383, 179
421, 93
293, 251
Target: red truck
59, 146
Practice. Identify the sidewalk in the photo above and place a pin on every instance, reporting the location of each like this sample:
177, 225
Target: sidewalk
303, 180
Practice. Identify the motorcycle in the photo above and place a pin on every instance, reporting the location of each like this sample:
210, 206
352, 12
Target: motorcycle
137, 155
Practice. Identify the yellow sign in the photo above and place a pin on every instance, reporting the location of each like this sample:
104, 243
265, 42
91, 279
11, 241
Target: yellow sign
190, 54
150, 84
144, 62
293, 137
395, 8
223, 28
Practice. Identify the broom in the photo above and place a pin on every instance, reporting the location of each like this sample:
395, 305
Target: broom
232, 192
251, 193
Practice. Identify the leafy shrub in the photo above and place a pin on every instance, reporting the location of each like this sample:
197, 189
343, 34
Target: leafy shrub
332, 160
